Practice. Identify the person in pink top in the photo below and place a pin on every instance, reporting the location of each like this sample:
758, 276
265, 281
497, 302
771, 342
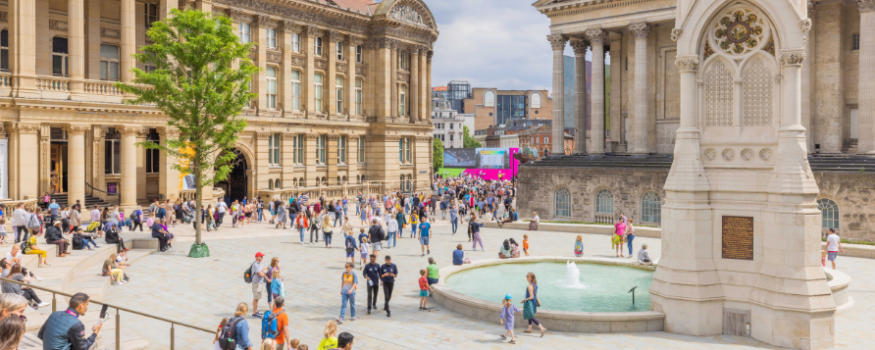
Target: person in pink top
617, 237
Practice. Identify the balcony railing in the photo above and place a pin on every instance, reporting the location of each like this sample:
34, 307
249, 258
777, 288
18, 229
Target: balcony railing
53, 84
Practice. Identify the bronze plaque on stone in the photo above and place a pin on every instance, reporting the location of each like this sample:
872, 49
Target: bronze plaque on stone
738, 237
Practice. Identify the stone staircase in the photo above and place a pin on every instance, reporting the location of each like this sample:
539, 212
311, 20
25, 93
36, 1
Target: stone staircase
90, 201
849, 146
81, 271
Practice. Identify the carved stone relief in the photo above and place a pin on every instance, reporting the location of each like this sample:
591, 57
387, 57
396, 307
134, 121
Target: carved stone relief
718, 96
361, 69
275, 57
728, 154
757, 93
295, 13
406, 14
110, 33
55, 24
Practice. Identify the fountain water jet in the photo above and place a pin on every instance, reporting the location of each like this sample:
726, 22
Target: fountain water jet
572, 275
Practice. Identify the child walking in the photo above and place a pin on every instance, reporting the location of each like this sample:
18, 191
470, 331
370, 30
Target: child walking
2, 231
578, 246
424, 288
364, 249
526, 244
506, 318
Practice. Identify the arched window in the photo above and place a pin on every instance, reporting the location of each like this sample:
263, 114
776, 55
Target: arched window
324, 181
563, 202
295, 182
363, 178
489, 99
651, 208
829, 210
402, 186
536, 100
604, 202
276, 184
338, 180
358, 179
409, 183
343, 180
269, 184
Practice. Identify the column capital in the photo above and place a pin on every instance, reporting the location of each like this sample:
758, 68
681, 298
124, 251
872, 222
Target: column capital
261, 20
597, 36
262, 135
76, 129
128, 129
333, 137
429, 54
356, 40
236, 15
640, 30
687, 64
24, 128
676, 34
311, 31
579, 45
805, 25
167, 131
332, 35
288, 26
792, 59
557, 41
866, 5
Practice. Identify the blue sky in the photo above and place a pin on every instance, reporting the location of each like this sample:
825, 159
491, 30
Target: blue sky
492, 43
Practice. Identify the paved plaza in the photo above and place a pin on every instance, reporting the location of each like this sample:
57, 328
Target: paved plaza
203, 291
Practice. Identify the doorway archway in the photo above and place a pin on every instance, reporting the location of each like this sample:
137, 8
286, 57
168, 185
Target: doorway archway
236, 186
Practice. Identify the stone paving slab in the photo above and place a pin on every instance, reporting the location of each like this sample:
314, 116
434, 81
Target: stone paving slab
202, 291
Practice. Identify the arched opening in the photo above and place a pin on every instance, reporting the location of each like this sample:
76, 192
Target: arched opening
563, 203
604, 202
651, 208
829, 211
236, 186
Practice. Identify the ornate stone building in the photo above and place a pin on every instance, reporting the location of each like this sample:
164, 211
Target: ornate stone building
343, 99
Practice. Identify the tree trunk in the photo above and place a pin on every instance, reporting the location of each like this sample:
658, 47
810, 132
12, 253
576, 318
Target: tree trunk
198, 184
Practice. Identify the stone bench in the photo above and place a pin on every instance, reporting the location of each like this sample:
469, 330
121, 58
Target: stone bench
140, 241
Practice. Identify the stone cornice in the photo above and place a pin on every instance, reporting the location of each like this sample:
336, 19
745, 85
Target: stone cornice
310, 12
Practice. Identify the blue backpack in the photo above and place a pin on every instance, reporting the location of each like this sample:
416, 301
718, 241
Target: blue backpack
269, 325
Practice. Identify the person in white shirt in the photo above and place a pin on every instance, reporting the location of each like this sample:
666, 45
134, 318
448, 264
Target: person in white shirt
221, 207
19, 222
643, 257
833, 247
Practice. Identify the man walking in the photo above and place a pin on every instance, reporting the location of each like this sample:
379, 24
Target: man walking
54, 207
388, 272
221, 207
833, 247
19, 222
259, 278
63, 330
371, 272
424, 235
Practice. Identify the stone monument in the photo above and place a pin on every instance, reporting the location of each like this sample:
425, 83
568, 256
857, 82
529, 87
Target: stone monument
741, 230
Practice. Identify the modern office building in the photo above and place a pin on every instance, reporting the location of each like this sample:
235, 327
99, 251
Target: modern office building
494, 107
457, 91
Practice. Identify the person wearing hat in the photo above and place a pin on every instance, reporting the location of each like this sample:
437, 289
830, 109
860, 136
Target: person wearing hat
507, 314
54, 236
259, 280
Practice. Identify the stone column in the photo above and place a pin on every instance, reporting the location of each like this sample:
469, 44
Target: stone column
203, 5
259, 35
329, 84
129, 166
309, 94
76, 49
597, 39
616, 111
413, 86
76, 163
866, 121
580, 47
428, 84
557, 41
168, 177
424, 90
128, 42
393, 73
22, 46
165, 6
285, 85
353, 43
639, 143
331, 159
310, 159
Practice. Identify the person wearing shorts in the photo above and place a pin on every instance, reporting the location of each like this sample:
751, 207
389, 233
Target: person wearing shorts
259, 280
833, 246
424, 235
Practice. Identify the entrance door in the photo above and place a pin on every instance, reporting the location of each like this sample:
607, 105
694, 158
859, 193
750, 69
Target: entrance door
236, 186
59, 168
854, 121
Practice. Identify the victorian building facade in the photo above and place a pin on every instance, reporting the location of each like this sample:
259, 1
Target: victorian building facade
343, 99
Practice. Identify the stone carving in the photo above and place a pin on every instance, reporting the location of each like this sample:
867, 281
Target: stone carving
687, 64
596, 36
406, 14
361, 69
262, 135
403, 34
403, 76
557, 41
792, 59
579, 46
765, 154
757, 93
110, 33
4, 17
805, 24
262, 20
710, 154
640, 30
275, 57
311, 31
718, 96
676, 34
57, 25
728, 154
747, 154
866, 5
740, 31
299, 61
340, 66
321, 64
289, 26
237, 15
371, 44
294, 12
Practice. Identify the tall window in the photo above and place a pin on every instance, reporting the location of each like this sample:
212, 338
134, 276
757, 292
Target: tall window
359, 55
112, 152
298, 149
341, 150
604, 201
321, 141
855, 41
402, 101
338, 49
651, 208
338, 86
360, 148
4, 50
405, 146
318, 89
318, 46
273, 149
402, 60
358, 96
151, 14
401, 150
271, 87
109, 62
296, 90
277, 184
59, 57
153, 155
244, 32
296, 42
563, 202
829, 210
270, 34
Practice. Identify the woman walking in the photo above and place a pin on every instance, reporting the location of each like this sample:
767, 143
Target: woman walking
327, 228
75, 220
530, 304
475, 232
630, 235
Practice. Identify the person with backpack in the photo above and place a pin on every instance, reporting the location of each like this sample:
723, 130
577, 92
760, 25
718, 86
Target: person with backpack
350, 246
257, 277
235, 333
275, 324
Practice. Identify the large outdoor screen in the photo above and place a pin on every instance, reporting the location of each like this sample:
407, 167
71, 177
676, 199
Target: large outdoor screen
493, 158
460, 158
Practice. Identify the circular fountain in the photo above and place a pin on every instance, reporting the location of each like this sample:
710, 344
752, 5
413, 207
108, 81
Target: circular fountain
589, 295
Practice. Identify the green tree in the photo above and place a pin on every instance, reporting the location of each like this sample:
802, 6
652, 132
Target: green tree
467, 140
437, 154
197, 86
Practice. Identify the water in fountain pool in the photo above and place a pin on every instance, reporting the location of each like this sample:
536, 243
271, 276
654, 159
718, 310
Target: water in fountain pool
598, 288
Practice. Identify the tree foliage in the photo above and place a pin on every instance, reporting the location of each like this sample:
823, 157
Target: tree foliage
467, 140
437, 154
196, 84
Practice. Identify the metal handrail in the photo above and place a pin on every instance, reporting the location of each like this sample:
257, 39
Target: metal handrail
99, 190
117, 309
